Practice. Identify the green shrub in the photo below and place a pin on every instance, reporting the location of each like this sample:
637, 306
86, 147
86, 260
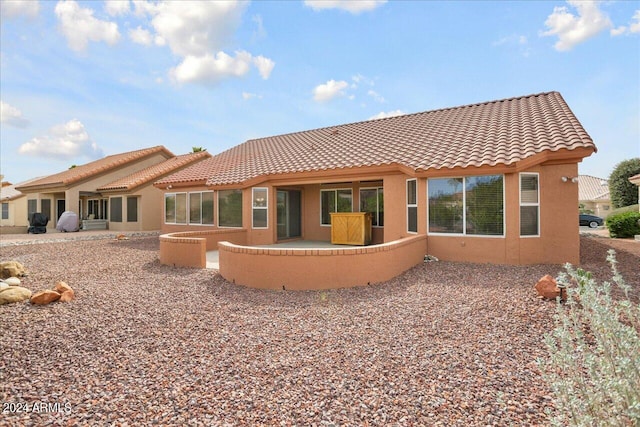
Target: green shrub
632, 208
594, 363
626, 224
621, 190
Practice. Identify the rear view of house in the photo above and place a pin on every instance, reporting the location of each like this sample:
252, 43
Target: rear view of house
489, 182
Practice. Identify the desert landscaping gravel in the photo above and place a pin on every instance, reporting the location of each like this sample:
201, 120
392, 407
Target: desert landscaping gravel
145, 344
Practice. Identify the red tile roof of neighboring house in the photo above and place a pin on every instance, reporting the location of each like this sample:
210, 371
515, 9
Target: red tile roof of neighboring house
635, 179
96, 167
154, 172
592, 188
493, 133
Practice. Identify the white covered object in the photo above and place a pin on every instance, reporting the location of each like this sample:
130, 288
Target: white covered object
68, 221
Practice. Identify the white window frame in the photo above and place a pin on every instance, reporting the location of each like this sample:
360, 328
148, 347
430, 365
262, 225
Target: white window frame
411, 205
175, 195
201, 193
464, 210
520, 204
335, 201
265, 207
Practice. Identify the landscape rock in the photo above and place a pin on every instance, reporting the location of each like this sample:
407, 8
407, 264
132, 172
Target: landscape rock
67, 296
3, 286
45, 297
13, 294
12, 281
62, 287
12, 269
547, 287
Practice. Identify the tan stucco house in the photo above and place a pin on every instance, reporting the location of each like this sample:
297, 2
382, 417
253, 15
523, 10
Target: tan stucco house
490, 182
14, 217
115, 192
636, 180
593, 195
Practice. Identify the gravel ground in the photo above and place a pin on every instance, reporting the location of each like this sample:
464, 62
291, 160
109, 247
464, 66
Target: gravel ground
444, 344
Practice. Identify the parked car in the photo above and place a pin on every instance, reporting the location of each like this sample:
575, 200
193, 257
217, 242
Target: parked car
591, 220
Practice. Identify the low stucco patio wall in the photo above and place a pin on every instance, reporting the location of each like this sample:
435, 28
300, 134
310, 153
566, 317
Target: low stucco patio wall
189, 248
322, 268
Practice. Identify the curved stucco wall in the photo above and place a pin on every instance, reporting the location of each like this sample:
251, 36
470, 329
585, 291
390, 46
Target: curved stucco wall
313, 269
189, 248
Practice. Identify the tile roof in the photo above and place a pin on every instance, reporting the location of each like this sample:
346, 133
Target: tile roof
154, 172
96, 167
9, 192
500, 132
592, 188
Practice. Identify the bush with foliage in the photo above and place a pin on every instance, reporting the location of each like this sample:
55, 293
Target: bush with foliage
622, 191
626, 224
594, 363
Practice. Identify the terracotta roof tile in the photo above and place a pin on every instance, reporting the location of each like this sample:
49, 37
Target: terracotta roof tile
592, 188
154, 172
96, 167
499, 132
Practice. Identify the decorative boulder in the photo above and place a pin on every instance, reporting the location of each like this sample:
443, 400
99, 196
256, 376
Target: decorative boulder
12, 269
66, 293
547, 287
12, 281
12, 294
3, 286
44, 297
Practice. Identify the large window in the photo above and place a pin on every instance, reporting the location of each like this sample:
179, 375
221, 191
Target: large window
45, 207
132, 209
473, 205
5, 211
529, 205
412, 205
260, 207
201, 208
334, 201
371, 200
230, 208
175, 208
116, 209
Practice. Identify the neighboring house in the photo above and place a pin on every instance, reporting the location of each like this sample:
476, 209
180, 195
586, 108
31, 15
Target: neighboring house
14, 217
489, 182
636, 180
593, 195
115, 192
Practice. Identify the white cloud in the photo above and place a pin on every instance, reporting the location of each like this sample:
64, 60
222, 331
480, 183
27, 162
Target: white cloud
633, 28
197, 31
329, 90
11, 116
63, 141
117, 7
375, 95
141, 36
14, 8
353, 6
264, 66
80, 26
195, 28
384, 115
211, 69
571, 29
248, 95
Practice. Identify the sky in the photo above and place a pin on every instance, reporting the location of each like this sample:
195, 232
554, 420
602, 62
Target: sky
83, 79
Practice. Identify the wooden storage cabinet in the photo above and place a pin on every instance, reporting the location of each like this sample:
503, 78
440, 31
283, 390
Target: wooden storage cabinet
350, 228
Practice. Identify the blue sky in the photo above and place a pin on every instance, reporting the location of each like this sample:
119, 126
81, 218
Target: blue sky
84, 79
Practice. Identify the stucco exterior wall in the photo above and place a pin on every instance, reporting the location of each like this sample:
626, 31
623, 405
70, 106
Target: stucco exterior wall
17, 213
559, 239
314, 269
188, 249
